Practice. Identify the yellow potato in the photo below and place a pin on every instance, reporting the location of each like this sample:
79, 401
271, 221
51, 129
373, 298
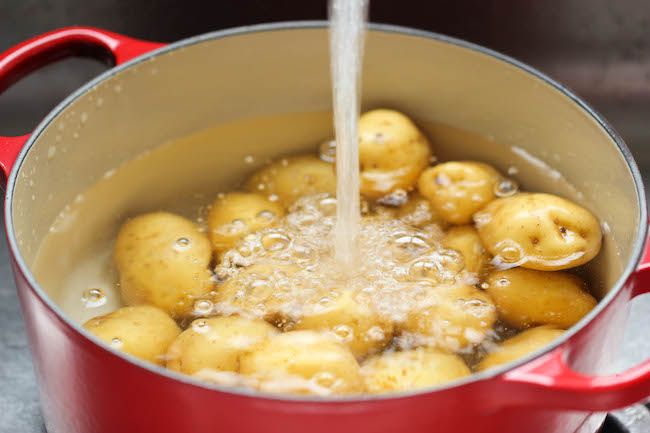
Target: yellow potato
525, 297
350, 321
452, 317
459, 189
411, 369
216, 343
163, 260
539, 231
303, 362
466, 241
256, 292
142, 331
519, 346
392, 152
236, 214
290, 178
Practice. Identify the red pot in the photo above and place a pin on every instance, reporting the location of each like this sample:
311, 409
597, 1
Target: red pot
171, 90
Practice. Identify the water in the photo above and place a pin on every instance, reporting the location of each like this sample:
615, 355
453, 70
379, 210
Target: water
347, 32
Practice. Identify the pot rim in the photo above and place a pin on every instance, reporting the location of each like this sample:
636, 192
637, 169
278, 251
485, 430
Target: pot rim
630, 267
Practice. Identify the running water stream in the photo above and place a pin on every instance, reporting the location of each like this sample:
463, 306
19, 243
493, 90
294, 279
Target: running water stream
347, 33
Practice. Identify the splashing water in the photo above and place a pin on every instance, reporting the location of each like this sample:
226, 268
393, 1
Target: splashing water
347, 32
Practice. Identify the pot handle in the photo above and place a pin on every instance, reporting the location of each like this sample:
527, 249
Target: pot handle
41, 50
548, 382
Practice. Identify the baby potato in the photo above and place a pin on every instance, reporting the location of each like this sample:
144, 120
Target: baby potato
411, 369
324, 365
350, 321
539, 231
238, 213
216, 343
256, 292
519, 346
458, 189
293, 177
143, 331
163, 260
452, 317
392, 152
525, 297
466, 241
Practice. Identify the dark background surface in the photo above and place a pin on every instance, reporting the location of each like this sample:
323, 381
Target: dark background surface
599, 48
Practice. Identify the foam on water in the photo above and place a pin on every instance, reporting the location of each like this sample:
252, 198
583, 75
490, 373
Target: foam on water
347, 32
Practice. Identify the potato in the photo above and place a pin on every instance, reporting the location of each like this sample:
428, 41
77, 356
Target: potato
290, 178
519, 346
216, 343
238, 213
163, 260
466, 241
320, 364
411, 369
525, 297
350, 321
142, 331
539, 231
392, 152
452, 317
255, 292
458, 189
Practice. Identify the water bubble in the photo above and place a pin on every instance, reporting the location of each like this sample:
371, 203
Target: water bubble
327, 151
93, 298
83, 117
512, 170
51, 151
203, 307
408, 246
200, 326
273, 197
425, 269
244, 251
99, 102
343, 332
510, 253
266, 216
181, 244
75, 135
327, 206
117, 88
275, 241
248, 159
116, 343
506, 188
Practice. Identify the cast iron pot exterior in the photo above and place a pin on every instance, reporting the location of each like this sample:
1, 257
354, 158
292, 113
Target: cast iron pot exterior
87, 388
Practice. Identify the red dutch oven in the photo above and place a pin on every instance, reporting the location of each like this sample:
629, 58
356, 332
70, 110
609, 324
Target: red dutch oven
157, 92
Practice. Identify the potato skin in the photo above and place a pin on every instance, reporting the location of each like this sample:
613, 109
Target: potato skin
236, 214
293, 177
519, 346
305, 354
216, 343
143, 331
539, 231
466, 241
453, 318
163, 260
245, 295
351, 322
392, 152
525, 297
418, 212
411, 369
458, 189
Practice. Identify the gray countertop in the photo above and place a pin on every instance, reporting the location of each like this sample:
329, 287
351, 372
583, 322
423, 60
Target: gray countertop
598, 48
